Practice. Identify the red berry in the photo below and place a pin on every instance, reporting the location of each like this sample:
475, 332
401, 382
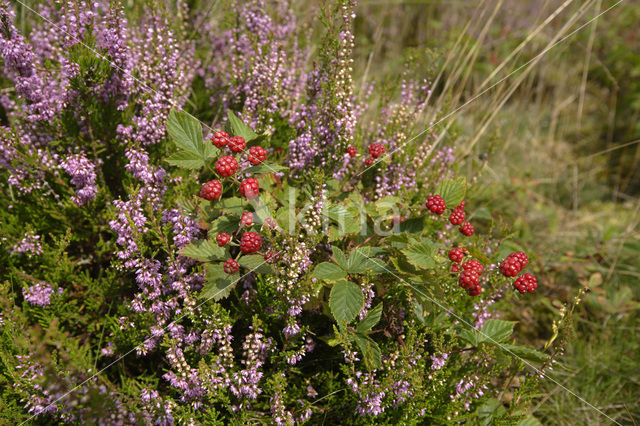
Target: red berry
467, 229
522, 258
223, 238
220, 139
457, 217
226, 166
352, 151
250, 188
457, 254
369, 161
272, 256
270, 222
461, 206
376, 149
474, 291
526, 282
237, 144
469, 279
436, 204
246, 219
455, 267
473, 265
211, 190
257, 155
230, 266
250, 242
513, 264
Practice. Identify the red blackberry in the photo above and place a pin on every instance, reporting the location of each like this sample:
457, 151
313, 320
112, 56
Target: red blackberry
455, 267
467, 229
457, 217
526, 282
211, 190
512, 264
473, 265
469, 279
270, 222
223, 238
475, 291
250, 242
457, 254
226, 166
246, 219
257, 155
272, 256
436, 204
230, 266
368, 161
376, 149
237, 144
250, 188
522, 257
352, 151
220, 139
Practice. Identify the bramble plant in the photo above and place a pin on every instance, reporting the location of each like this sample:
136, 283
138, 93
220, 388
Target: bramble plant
291, 263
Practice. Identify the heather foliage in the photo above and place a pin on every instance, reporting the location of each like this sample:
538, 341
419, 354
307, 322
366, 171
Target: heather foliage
341, 304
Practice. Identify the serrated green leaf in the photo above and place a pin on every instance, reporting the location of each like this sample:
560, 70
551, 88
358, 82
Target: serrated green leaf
453, 191
339, 257
225, 223
238, 128
210, 151
495, 330
255, 263
328, 272
360, 261
233, 205
204, 250
524, 353
386, 204
373, 317
421, 255
219, 284
346, 301
529, 420
186, 132
413, 225
186, 160
470, 335
265, 168
372, 355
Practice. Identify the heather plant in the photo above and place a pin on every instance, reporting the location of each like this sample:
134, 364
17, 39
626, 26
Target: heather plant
292, 262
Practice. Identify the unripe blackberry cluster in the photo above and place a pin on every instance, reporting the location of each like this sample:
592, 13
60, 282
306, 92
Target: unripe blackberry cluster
352, 151
226, 166
436, 204
230, 266
457, 254
376, 149
272, 256
250, 188
250, 242
525, 283
467, 229
457, 215
223, 238
257, 155
211, 190
220, 139
237, 144
471, 270
246, 219
513, 264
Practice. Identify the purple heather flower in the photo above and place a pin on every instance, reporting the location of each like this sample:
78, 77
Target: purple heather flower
38, 294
